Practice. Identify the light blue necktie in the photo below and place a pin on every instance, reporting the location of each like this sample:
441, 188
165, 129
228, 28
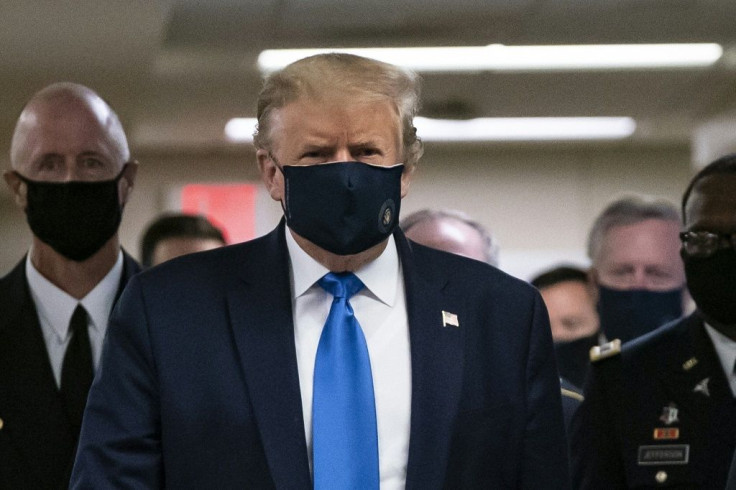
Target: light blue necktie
344, 434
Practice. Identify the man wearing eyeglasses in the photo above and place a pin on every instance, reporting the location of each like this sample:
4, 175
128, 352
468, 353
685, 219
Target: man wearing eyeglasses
660, 411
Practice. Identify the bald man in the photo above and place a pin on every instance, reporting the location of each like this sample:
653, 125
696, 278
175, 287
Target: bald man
451, 231
71, 174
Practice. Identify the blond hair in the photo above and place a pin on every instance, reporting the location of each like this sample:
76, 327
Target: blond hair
341, 75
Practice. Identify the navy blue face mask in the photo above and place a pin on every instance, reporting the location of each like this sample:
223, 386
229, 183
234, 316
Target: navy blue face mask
627, 314
74, 218
343, 207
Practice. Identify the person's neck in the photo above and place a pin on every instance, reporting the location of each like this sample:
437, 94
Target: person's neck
338, 263
75, 278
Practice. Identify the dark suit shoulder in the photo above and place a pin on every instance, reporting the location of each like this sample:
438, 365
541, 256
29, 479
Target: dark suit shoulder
469, 270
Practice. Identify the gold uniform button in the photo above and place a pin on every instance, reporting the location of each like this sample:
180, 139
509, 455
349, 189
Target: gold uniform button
661, 476
1, 424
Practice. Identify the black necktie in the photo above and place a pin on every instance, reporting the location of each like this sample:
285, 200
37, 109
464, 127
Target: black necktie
77, 371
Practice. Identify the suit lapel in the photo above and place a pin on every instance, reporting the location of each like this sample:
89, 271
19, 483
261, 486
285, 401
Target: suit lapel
29, 398
261, 318
437, 366
130, 268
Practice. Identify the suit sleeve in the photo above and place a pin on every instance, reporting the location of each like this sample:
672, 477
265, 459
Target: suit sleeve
120, 441
545, 445
595, 449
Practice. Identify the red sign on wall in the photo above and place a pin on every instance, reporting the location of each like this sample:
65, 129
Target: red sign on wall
230, 207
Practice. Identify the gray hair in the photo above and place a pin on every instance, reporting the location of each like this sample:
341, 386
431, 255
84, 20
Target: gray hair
491, 247
339, 75
628, 210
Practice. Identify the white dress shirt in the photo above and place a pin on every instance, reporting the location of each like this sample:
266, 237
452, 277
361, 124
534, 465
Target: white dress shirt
726, 350
380, 308
55, 308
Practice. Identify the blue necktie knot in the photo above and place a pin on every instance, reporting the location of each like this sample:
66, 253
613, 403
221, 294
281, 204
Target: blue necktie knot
341, 285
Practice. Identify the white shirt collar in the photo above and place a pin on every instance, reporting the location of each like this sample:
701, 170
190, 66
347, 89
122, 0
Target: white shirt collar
379, 276
725, 349
55, 306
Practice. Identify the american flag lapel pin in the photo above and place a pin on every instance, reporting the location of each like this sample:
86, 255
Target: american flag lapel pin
449, 319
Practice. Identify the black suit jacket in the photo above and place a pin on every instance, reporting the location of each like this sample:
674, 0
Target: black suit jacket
659, 415
199, 386
37, 443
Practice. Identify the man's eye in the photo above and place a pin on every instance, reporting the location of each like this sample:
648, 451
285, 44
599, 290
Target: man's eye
92, 163
47, 165
367, 152
312, 154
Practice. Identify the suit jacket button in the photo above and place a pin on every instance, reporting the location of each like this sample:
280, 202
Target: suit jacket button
661, 476
1, 424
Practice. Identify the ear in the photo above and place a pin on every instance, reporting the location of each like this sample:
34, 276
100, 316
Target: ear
17, 187
406, 180
127, 181
272, 177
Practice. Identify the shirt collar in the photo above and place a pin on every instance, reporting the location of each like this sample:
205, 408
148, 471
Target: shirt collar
725, 349
379, 276
55, 306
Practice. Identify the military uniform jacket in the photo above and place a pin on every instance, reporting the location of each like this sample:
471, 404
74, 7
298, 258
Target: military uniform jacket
37, 442
658, 415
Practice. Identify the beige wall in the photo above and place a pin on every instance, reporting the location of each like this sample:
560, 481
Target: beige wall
538, 200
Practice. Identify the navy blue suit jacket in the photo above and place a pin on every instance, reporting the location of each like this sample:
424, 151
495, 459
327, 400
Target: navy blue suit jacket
199, 385
37, 441
660, 414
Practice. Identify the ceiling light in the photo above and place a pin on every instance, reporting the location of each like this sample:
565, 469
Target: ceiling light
525, 128
497, 57
240, 129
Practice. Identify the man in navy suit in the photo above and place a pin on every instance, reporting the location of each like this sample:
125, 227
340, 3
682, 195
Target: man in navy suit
660, 411
71, 174
207, 376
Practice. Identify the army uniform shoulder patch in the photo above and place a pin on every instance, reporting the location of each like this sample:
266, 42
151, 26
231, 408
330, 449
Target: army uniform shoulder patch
609, 349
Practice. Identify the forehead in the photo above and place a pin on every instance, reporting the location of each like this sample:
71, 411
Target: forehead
648, 241
712, 204
567, 293
450, 235
64, 127
331, 118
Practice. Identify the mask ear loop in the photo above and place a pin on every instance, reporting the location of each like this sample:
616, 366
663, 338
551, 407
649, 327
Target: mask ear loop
281, 169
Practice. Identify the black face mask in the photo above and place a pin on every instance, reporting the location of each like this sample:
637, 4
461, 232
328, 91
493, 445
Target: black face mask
74, 218
627, 314
712, 284
344, 207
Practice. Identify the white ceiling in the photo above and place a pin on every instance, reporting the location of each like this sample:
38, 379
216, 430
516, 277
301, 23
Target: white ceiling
177, 70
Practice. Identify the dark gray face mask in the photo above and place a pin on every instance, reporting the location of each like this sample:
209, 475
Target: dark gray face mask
627, 314
74, 218
342, 207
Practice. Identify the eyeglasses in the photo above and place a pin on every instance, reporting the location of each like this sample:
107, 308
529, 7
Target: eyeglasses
703, 244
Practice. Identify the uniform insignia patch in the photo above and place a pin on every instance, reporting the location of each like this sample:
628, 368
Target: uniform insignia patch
605, 351
689, 364
669, 414
660, 455
702, 387
666, 433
